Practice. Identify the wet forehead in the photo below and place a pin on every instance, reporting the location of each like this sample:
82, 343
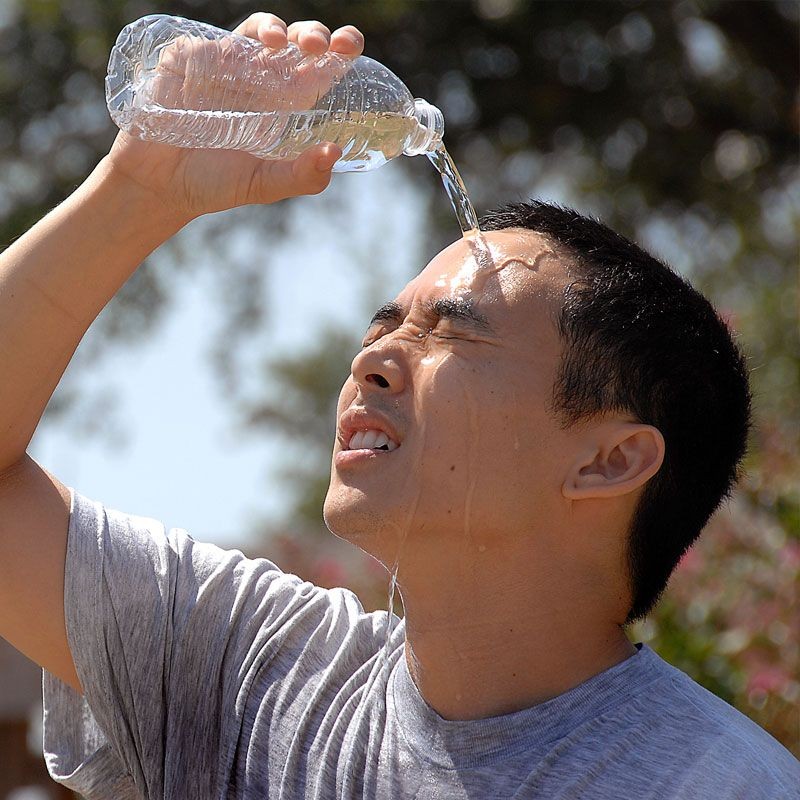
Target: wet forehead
510, 272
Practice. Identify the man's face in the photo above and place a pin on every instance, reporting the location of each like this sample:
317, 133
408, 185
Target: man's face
458, 373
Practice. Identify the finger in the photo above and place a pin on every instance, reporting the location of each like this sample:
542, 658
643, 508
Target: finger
347, 41
311, 36
272, 31
310, 173
322, 157
267, 28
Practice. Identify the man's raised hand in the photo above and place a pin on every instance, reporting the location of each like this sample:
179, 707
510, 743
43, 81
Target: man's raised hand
185, 183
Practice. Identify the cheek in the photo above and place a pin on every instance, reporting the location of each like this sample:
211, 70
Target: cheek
461, 418
479, 424
346, 396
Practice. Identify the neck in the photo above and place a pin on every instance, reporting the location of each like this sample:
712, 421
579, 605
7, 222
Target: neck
477, 652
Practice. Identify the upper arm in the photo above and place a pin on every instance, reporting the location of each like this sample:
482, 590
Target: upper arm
34, 522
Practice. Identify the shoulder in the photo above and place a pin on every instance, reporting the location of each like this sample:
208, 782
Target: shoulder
742, 761
725, 753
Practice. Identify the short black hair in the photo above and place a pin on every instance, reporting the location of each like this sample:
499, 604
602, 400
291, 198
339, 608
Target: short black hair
638, 338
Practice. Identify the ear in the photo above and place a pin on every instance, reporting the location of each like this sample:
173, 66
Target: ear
623, 457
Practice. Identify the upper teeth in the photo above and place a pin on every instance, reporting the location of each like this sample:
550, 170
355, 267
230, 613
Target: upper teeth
371, 439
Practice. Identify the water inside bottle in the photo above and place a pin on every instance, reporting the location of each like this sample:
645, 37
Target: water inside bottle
367, 140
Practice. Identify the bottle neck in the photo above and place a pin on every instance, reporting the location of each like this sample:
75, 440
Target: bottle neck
429, 131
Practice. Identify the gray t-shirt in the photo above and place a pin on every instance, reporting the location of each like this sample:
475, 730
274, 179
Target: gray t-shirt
211, 675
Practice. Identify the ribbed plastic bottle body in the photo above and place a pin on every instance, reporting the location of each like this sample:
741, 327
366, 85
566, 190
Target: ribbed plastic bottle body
189, 84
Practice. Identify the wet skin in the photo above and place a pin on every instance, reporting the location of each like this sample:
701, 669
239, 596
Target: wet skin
506, 528
468, 399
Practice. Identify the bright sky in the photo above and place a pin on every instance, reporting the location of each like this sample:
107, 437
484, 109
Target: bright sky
183, 462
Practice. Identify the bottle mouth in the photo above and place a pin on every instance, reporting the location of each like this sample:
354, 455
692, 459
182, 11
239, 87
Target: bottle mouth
430, 129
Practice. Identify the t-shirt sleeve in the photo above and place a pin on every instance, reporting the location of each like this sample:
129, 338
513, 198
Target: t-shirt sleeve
166, 634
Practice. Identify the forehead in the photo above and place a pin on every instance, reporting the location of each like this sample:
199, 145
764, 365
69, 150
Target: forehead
505, 274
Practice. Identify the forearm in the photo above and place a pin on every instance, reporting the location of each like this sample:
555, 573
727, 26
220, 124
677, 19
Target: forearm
55, 280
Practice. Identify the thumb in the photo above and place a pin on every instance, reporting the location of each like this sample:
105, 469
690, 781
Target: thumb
309, 173
313, 168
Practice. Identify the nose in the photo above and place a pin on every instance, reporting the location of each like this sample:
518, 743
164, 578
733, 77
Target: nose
375, 369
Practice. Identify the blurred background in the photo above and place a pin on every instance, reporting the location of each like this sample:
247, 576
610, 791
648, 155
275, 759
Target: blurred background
205, 393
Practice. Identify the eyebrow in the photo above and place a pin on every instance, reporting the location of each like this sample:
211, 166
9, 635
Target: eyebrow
454, 308
388, 311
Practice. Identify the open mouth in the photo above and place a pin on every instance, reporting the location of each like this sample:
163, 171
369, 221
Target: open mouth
372, 439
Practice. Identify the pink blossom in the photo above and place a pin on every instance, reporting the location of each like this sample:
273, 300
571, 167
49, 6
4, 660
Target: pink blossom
330, 572
768, 679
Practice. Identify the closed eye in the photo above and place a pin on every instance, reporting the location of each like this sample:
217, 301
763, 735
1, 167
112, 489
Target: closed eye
448, 318
441, 331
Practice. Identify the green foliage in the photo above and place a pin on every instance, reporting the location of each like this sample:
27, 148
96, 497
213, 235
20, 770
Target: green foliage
729, 617
304, 416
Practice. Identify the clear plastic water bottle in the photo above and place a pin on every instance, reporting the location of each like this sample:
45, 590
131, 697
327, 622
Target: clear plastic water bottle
189, 84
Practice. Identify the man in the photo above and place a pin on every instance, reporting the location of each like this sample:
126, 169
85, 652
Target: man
531, 436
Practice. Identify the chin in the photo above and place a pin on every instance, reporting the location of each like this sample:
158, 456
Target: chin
350, 515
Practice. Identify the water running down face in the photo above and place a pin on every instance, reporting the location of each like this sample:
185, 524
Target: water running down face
445, 444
